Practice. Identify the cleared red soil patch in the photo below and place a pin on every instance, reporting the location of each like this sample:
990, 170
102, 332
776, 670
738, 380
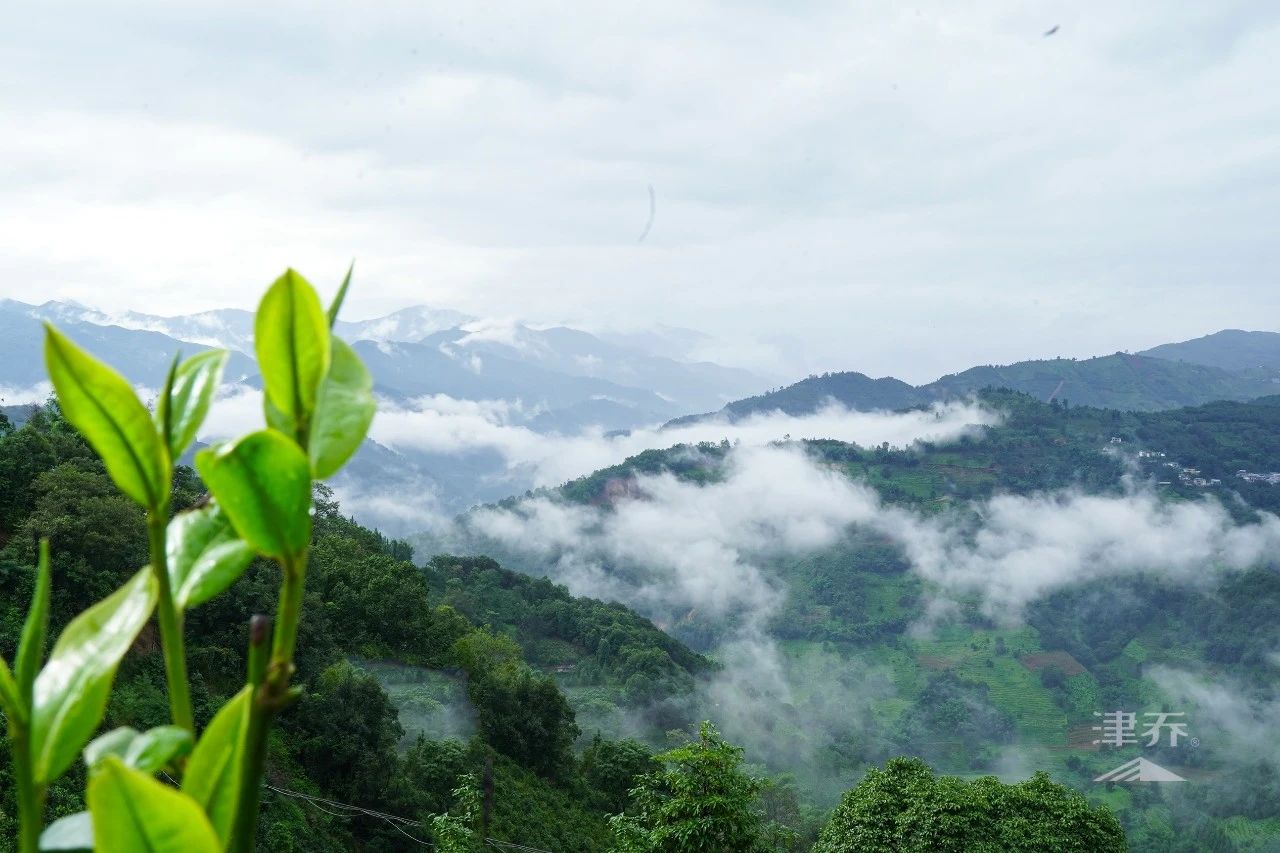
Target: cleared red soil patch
1082, 737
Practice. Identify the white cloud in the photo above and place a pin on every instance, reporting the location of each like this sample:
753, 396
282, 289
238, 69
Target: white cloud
440, 424
236, 410
908, 190
37, 393
1023, 547
1225, 714
671, 546
699, 546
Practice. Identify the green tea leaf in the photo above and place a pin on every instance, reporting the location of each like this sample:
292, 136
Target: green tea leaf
181, 410
148, 751
71, 833
115, 742
212, 778
205, 555
162, 413
31, 646
336, 305
344, 411
101, 404
132, 811
10, 698
291, 337
263, 483
278, 420
158, 747
71, 691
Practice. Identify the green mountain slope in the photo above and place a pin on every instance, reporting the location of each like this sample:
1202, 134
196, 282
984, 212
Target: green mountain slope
1120, 381
854, 390
971, 694
1148, 381
368, 612
1230, 349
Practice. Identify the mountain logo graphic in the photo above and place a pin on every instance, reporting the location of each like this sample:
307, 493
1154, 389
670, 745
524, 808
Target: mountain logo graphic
1139, 770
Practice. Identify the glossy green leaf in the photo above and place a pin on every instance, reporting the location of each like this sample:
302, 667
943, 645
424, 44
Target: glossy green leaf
115, 742
336, 305
162, 414
71, 833
343, 412
10, 699
181, 411
71, 691
263, 483
35, 629
101, 404
278, 420
205, 555
291, 337
132, 811
147, 751
212, 778
156, 748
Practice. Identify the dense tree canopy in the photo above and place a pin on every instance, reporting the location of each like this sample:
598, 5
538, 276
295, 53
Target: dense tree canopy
699, 801
342, 740
905, 808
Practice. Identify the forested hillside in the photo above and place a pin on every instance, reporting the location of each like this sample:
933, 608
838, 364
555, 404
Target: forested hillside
881, 648
367, 606
416, 677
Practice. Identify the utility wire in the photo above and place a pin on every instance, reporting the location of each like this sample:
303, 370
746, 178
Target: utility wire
395, 821
508, 845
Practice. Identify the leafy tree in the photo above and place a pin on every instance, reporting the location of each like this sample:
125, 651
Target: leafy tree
454, 831
24, 453
611, 769
905, 808
344, 734
699, 802
520, 712
100, 536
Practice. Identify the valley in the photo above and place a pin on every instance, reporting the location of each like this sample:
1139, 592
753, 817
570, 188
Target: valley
973, 581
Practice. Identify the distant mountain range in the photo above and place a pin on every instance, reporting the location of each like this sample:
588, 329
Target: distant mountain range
1227, 365
1230, 349
548, 381
564, 381
556, 379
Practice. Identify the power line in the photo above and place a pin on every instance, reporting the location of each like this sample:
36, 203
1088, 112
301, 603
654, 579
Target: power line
510, 845
394, 821
356, 809
398, 829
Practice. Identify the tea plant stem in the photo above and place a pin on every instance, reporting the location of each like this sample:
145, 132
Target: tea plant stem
251, 768
288, 613
175, 655
270, 696
29, 795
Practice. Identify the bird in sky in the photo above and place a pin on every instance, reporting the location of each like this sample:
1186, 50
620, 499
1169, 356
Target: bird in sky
1051, 30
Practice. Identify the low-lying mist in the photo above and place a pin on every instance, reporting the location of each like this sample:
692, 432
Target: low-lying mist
692, 555
436, 456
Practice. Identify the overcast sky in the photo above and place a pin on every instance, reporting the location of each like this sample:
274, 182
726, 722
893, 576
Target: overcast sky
897, 188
